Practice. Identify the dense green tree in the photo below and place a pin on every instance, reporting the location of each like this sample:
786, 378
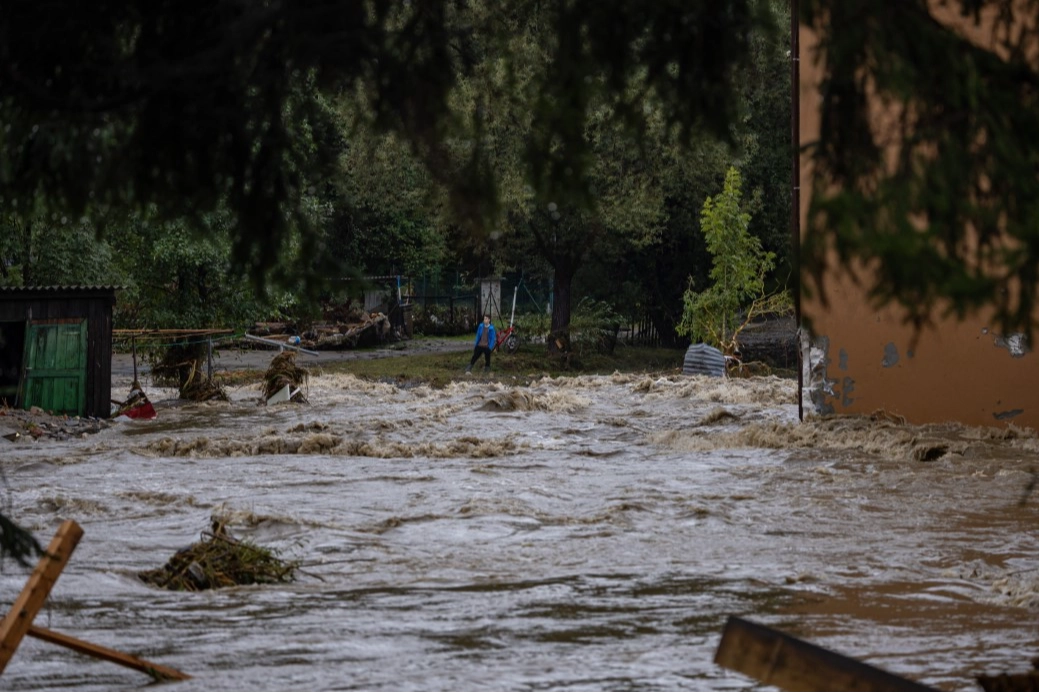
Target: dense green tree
656, 274
52, 253
174, 277
716, 313
385, 208
188, 106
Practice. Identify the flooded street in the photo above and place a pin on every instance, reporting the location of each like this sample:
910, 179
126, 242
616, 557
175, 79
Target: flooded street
577, 534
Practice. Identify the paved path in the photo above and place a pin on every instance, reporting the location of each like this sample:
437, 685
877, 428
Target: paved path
232, 359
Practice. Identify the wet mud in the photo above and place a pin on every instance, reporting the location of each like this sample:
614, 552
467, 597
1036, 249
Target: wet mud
587, 533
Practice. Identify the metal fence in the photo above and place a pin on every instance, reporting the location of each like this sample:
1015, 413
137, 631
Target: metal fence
444, 315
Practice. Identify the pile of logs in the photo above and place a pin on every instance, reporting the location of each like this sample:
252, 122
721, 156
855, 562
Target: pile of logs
343, 329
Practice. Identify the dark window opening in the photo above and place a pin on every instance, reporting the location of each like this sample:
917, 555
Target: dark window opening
12, 347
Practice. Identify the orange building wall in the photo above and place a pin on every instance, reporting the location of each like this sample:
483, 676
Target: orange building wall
866, 358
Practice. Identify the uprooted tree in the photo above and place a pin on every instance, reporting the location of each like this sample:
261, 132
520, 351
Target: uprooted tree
717, 314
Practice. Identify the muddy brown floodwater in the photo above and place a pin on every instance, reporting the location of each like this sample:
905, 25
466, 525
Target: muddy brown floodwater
585, 533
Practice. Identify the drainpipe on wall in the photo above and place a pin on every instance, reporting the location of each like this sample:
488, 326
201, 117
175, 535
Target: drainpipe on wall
795, 188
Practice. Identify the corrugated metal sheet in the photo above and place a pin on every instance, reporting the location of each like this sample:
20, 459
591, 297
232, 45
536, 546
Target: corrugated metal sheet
701, 359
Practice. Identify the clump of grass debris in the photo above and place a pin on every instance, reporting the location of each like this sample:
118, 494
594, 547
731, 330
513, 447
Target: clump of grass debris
284, 372
220, 560
182, 366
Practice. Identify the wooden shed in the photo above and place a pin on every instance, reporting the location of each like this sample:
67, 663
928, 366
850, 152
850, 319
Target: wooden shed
56, 348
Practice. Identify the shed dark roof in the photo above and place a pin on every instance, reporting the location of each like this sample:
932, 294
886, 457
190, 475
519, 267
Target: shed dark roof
14, 294
59, 289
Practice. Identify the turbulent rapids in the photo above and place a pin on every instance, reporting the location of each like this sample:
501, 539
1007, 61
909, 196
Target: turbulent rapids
575, 533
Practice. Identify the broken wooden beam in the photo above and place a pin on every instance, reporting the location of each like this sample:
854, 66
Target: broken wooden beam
19, 619
777, 659
156, 671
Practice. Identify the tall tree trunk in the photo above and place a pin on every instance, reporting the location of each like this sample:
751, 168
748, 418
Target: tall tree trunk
560, 335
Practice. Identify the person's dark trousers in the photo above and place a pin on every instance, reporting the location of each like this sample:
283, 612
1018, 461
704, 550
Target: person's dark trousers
486, 351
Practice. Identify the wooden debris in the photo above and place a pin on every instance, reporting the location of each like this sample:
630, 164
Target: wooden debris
1027, 681
343, 326
199, 388
18, 622
374, 329
777, 659
156, 671
183, 366
220, 560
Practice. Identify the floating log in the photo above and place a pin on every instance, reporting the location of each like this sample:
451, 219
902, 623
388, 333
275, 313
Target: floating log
1026, 681
780, 660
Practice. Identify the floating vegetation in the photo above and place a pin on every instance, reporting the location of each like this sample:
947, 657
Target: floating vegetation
283, 372
220, 560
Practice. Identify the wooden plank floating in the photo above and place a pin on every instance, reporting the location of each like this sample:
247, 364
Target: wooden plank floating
19, 619
154, 670
780, 660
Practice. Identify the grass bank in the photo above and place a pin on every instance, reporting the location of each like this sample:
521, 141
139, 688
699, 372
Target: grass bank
529, 363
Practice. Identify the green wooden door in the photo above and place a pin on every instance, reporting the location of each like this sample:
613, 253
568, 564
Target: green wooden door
56, 366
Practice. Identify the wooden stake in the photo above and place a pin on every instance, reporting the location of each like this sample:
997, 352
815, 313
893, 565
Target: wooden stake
19, 619
154, 670
777, 659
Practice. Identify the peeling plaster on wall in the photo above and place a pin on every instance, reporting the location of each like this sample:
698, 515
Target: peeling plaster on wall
890, 355
1016, 344
842, 359
1009, 414
848, 387
818, 388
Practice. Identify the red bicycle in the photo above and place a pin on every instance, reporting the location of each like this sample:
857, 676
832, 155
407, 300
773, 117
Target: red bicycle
508, 339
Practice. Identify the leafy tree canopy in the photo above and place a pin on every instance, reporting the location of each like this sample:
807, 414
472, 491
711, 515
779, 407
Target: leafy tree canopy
713, 315
185, 106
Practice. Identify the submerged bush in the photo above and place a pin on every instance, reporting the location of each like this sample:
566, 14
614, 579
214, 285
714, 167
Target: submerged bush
220, 560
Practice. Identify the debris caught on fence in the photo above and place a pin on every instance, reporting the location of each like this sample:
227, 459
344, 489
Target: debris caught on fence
183, 366
220, 560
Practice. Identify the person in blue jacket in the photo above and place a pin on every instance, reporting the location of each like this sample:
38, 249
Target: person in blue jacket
485, 343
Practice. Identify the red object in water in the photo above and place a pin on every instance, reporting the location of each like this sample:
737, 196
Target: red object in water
144, 410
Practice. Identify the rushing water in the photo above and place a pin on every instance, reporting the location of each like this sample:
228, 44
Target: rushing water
576, 534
